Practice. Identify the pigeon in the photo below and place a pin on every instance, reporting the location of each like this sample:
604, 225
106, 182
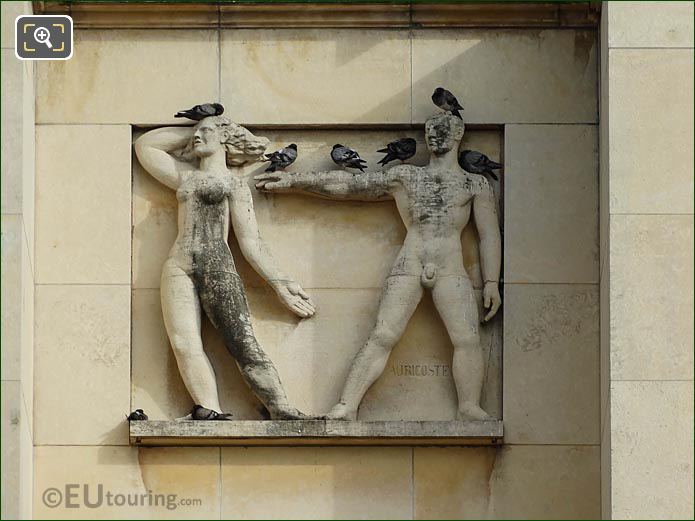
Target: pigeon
447, 101
137, 415
403, 148
347, 157
201, 413
281, 158
478, 163
201, 111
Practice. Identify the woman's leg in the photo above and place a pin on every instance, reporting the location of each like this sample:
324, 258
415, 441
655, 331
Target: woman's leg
181, 311
224, 301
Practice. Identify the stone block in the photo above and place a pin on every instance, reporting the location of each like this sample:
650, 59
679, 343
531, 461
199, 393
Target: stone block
316, 75
83, 192
508, 76
12, 419
652, 430
12, 129
129, 76
10, 11
651, 292
551, 204
12, 292
156, 483
317, 483
551, 364
82, 365
511, 482
649, 117
650, 24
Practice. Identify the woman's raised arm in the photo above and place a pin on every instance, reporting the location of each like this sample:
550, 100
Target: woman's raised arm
154, 153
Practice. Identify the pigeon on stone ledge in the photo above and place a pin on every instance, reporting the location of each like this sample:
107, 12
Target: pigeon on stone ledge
201, 413
137, 415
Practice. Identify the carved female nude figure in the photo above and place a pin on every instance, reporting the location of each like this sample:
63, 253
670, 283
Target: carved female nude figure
435, 203
200, 271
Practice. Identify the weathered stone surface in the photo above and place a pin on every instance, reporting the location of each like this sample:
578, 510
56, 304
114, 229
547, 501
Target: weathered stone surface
12, 419
126, 76
316, 75
315, 432
508, 76
187, 477
652, 430
316, 483
82, 365
10, 11
11, 266
518, 482
551, 363
649, 24
12, 145
83, 226
551, 204
651, 269
648, 117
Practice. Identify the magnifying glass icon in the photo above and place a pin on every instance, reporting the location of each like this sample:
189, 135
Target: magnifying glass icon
43, 35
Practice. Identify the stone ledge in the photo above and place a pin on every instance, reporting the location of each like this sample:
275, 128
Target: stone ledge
315, 432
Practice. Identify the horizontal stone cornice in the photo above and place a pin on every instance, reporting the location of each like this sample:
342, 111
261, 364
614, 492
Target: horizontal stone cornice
122, 15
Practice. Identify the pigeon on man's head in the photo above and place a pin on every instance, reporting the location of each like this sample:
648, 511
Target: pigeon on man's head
403, 148
478, 163
445, 100
281, 158
201, 111
347, 157
137, 415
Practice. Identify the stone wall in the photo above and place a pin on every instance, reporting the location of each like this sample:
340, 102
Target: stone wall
647, 264
17, 271
102, 227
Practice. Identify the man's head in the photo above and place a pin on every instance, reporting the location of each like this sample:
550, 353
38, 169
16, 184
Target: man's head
443, 132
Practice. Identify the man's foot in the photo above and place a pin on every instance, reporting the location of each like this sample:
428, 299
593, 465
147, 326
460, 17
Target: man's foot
288, 413
471, 412
341, 412
201, 413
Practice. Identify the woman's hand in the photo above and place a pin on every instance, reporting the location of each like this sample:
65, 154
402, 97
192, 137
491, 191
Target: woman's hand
294, 297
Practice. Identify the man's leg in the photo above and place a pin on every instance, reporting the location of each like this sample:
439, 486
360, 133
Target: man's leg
455, 300
398, 302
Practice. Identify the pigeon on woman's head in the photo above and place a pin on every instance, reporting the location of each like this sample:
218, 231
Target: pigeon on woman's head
199, 112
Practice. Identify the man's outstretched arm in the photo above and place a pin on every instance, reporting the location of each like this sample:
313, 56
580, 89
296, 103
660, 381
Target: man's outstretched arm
332, 184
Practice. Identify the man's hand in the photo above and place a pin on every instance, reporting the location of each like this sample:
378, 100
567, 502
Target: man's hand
273, 182
491, 299
294, 297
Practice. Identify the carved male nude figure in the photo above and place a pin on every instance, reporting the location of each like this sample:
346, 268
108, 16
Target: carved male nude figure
435, 202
